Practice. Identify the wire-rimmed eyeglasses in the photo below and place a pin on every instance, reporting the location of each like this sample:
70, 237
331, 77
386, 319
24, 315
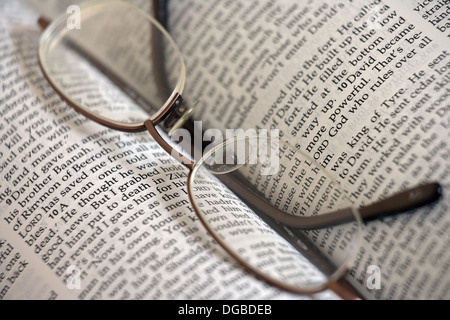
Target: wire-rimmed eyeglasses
243, 188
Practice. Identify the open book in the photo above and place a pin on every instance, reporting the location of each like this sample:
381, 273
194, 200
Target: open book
361, 87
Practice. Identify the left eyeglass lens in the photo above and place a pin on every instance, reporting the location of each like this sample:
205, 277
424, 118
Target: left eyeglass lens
116, 48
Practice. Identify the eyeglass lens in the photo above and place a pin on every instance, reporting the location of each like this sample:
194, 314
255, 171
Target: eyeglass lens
118, 48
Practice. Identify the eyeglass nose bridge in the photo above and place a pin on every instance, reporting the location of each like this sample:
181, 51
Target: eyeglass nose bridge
175, 116
169, 120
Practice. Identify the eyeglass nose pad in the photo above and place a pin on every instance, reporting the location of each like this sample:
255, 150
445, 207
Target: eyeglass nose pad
183, 118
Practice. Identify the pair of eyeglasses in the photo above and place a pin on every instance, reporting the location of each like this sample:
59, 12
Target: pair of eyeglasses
268, 204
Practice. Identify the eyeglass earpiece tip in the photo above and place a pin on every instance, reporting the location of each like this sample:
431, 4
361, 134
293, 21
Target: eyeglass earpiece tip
439, 190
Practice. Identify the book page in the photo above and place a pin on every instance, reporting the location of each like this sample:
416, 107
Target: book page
92, 213
361, 87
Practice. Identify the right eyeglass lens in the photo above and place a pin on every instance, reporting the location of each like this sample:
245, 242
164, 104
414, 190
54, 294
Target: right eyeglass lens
299, 260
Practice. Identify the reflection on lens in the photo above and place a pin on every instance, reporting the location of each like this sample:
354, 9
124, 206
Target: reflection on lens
118, 48
229, 156
288, 184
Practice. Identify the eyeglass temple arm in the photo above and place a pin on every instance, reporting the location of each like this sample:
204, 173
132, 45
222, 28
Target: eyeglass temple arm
400, 202
403, 201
